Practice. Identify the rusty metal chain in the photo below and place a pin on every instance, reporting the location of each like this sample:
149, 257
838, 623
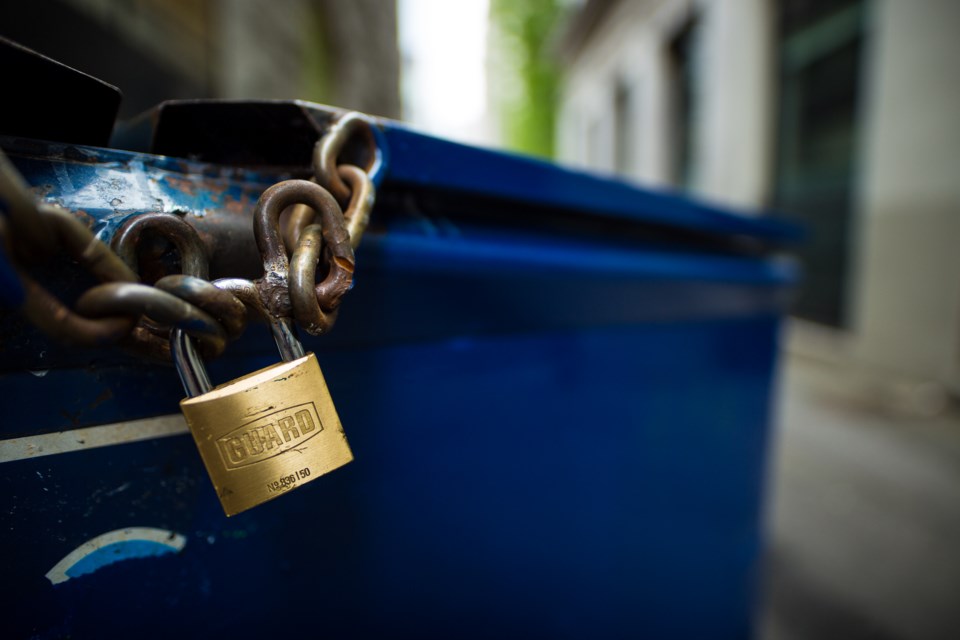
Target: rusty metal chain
121, 309
185, 300
315, 304
35, 242
49, 313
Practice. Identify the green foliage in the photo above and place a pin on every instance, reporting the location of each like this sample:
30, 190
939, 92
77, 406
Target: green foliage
525, 76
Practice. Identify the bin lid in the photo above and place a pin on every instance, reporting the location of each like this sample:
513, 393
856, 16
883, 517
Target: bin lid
283, 133
421, 160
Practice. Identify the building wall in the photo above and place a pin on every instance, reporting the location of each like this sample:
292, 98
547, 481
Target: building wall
907, 304
738, 111
339, 52
630, 46
259, 48
905, 295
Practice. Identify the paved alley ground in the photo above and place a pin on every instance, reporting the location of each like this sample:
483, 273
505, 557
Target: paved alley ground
865, 516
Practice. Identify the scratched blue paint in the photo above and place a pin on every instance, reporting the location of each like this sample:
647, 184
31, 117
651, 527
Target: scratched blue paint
118, 552
110, 185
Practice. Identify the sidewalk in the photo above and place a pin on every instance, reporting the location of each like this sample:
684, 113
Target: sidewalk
864, 519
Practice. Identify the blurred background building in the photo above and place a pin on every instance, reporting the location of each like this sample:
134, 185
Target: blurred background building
341, 52
841, 113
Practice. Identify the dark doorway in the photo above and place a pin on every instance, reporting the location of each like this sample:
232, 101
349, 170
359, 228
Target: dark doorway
821, 49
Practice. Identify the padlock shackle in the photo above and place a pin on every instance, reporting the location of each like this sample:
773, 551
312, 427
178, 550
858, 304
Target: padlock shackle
284, 334
192, 372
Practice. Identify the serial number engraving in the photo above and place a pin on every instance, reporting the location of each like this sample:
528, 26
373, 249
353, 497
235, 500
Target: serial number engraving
287, 482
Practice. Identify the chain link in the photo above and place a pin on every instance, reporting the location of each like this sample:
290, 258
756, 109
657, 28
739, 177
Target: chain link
163, 307
315, 304
35, 243
133, 234
121, 309
52, 316
327, 152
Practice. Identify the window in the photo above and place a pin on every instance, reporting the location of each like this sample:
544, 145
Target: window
821, 49
684, 77
623, 129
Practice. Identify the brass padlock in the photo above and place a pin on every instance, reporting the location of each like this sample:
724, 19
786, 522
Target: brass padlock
266, 433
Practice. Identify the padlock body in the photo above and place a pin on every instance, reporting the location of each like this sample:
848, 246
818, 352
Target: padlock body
267, 433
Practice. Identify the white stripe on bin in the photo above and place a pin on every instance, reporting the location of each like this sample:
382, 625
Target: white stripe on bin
106, 435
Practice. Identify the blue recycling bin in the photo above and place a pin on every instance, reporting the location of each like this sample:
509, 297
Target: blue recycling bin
557, 388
